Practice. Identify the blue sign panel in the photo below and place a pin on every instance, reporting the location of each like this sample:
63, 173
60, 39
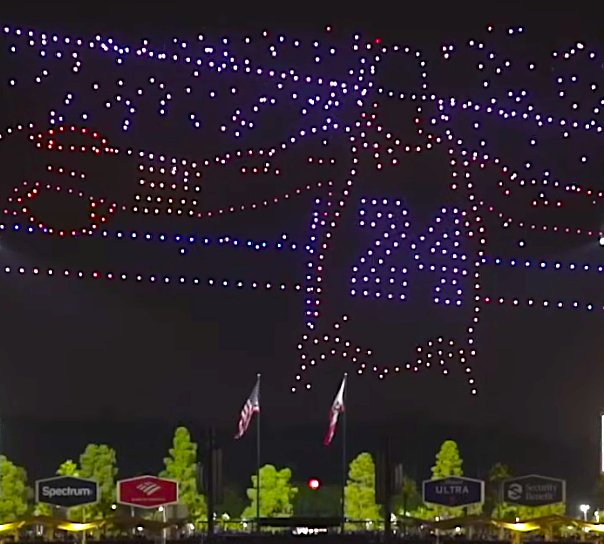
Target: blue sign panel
67, 491
453, 491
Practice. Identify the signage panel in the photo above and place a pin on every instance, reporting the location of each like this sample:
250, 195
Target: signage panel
534, 490
147, 491
453, 491
67, 491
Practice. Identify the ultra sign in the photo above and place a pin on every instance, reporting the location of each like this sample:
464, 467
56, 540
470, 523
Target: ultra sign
534, 490
453, 491
67, 491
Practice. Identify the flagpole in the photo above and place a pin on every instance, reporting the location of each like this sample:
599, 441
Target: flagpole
344, 464
258, 461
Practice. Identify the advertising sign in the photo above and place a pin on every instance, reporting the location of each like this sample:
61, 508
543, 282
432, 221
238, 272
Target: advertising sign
147, 491
67, 491
534, 490
453, 491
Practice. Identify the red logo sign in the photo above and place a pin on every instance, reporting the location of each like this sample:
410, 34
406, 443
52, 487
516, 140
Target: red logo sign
147, 491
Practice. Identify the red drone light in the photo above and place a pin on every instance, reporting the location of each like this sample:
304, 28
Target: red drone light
313, 483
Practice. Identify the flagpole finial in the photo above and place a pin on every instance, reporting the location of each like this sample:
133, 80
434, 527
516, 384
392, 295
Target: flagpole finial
258, 375
345, 374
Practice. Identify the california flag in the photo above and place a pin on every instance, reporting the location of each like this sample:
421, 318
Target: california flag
336, 409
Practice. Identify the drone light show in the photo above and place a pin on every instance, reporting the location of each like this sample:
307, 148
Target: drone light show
392, 195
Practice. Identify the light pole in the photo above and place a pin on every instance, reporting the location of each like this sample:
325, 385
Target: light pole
585, 508
164, 535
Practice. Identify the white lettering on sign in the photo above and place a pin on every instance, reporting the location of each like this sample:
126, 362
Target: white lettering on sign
66, 491
542, 488
452, 489
541, 492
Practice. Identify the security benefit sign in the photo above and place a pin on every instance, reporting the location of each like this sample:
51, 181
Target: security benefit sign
453, 491
67, 491
534, 490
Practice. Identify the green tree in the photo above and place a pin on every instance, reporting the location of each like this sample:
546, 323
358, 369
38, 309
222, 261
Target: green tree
42, 509
233, 502
323, 502
407, 498
424, 511
228, 512
448, 463
359, 494
98, 462
68, 468
276, 494
532, 512
493, 505
181, 465
13, 490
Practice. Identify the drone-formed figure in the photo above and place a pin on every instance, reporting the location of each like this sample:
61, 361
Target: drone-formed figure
403, 197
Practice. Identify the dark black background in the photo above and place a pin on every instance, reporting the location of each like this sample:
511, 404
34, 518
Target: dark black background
126, 364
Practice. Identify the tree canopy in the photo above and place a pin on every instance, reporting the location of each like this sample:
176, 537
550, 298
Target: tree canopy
448, 461
13, 490
359, 493
181, 465
233, 502
323, 502
407, 498
276, 494
493, 505
99, 462
68, 468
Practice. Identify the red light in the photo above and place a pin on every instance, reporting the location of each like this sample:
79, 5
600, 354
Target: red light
314, 483
378, 40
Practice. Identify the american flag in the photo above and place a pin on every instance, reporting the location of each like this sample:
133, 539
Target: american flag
251, 407
336, 409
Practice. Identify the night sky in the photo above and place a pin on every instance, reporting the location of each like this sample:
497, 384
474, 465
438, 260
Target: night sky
117, 351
